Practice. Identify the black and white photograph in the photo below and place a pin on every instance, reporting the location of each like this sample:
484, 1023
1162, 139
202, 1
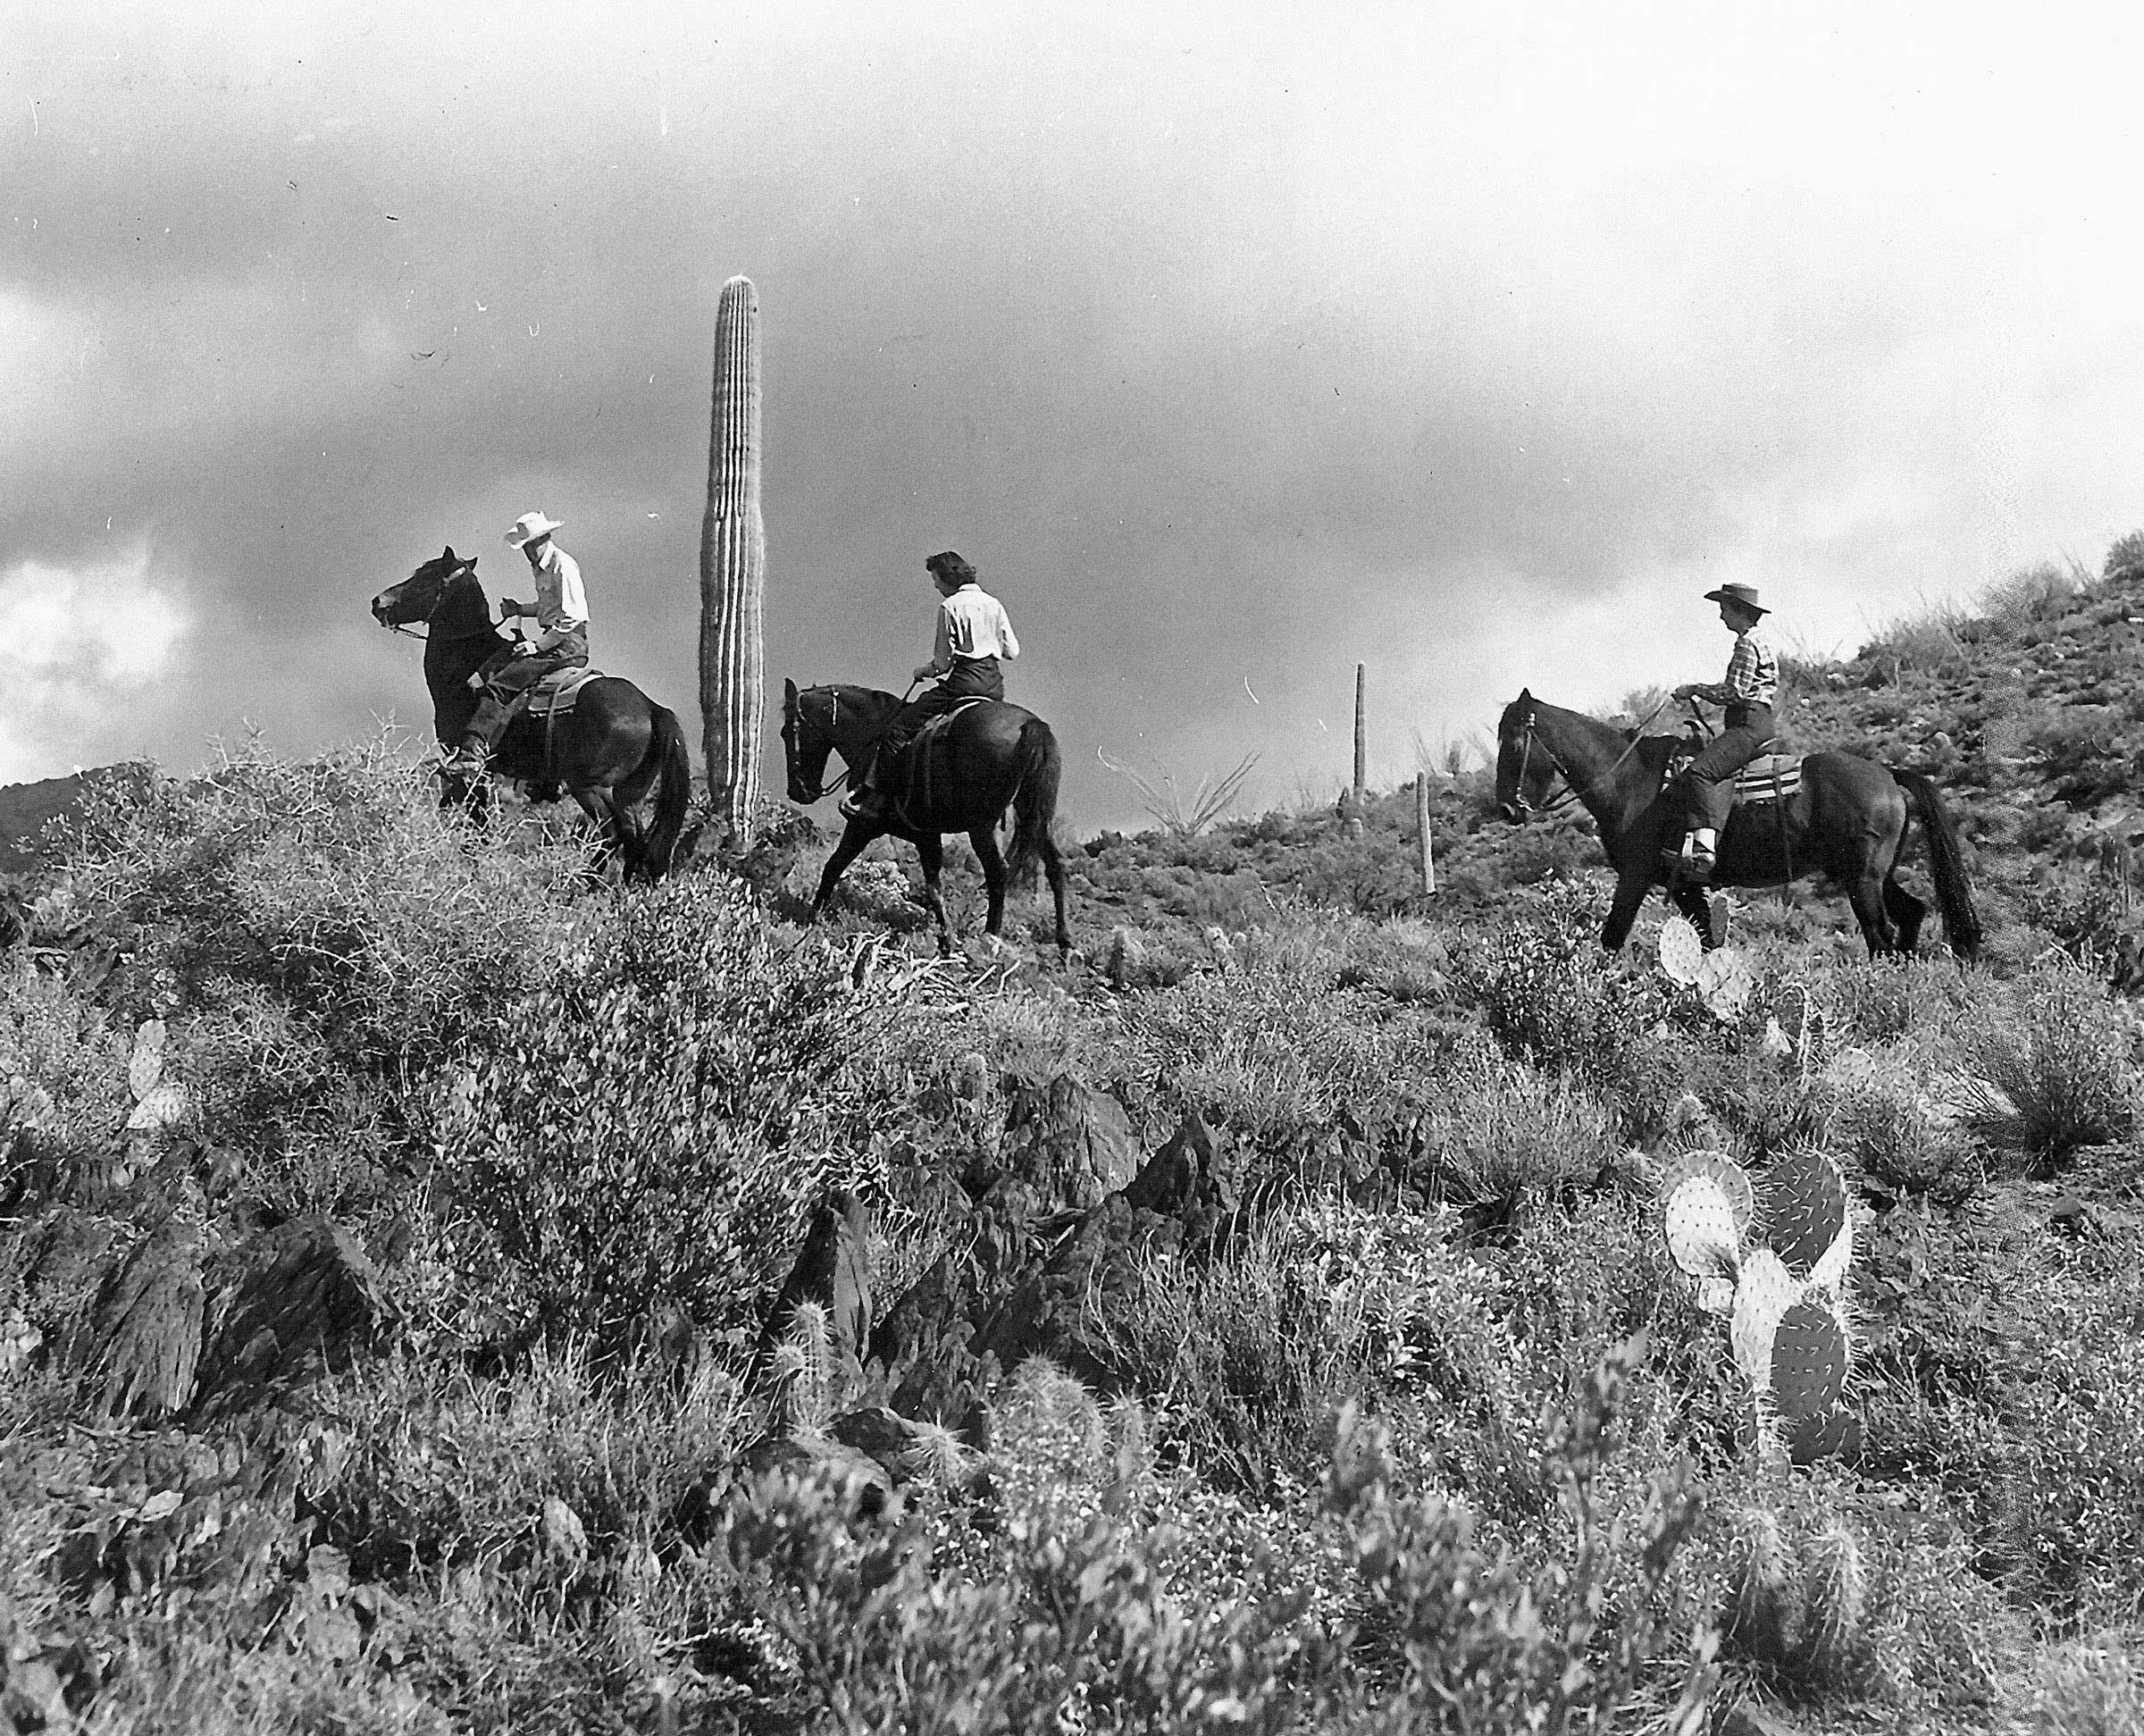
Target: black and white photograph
970, 869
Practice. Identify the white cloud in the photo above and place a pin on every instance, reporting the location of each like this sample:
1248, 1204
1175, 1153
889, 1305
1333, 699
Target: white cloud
83, 642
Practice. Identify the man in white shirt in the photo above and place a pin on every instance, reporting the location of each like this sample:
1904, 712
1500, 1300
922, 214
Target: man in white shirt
972, 635
561, 642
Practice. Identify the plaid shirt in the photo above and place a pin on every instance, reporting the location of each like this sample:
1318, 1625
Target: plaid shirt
1752, 671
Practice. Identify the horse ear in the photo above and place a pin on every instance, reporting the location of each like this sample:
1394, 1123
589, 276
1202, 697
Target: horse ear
448, 552
788, 691
1526, 692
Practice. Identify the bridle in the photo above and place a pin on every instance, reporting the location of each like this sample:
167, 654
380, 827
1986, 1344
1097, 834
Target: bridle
1567, 796
1570, 795
834, 714
410, 630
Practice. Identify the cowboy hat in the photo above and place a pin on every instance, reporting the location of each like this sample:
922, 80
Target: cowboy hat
528, 527
1744, 594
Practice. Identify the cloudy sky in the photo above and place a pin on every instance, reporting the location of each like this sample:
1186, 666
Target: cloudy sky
1235, 344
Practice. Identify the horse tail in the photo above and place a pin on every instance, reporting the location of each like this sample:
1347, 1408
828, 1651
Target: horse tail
670, 766
1033, 799
1946, 865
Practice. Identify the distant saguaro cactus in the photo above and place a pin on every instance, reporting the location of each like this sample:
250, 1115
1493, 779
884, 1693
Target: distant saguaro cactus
733, 566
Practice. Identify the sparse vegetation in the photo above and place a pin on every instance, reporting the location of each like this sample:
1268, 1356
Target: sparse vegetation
547, 1308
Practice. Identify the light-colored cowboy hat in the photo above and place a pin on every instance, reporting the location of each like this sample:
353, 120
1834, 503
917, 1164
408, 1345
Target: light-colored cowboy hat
1744, 594
528, 527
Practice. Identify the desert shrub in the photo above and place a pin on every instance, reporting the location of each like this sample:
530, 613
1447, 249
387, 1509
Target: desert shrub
2050, 1069
1501, 1131
1934, 639
322, 907
62, 1065
436, 1469
1873, 1000
1879, 1111
2126, 553
2090, 1686
1547, 993
1269, 1048
1248, 1358
648, 1128
2037, 593
1445, 1632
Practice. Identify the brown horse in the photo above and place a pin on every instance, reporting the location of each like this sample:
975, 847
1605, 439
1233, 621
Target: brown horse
614, 750
983, 759
1847, 821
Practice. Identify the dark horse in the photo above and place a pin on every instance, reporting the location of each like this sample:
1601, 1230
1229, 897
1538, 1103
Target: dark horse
985, 757
1847, 821
611, 750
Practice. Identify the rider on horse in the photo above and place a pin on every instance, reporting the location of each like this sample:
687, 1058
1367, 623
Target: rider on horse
1706, 789
973, 633
561, 642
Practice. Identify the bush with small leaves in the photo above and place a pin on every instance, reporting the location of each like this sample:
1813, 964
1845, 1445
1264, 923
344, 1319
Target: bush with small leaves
2050, 1069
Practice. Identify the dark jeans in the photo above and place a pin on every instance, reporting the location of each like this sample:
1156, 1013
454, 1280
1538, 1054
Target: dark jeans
969, 678
1707, 784
507, 677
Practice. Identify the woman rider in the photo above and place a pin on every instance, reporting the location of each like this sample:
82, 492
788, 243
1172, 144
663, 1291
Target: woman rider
973, 633
1706, 789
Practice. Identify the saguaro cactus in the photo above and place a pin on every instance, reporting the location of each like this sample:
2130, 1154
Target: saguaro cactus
733, 566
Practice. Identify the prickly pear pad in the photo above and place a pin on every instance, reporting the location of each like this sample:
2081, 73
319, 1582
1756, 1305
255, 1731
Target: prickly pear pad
1809, 1357
1832, 1434
1762, 1296
1804, 1209
1730, 1177
1703, 1235
1680, 950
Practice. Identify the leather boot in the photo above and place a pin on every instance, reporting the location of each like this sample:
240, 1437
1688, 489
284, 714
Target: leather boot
481, 736
866, 802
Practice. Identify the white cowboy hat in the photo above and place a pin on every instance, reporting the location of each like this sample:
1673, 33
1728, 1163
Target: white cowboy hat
528, 527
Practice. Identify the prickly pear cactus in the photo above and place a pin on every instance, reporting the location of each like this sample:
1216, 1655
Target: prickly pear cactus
1729, 1176
1766, 1291
1809, 1357
1804, 1217
1682, 951
1703, 1236
1830, 1434
1723, 979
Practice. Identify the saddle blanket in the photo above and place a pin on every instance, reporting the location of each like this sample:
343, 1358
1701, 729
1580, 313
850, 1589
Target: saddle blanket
554, 695
1769, 778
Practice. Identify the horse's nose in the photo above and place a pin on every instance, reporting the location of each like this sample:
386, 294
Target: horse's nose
380, 609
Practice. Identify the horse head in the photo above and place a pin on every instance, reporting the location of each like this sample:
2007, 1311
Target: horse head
805, 746
1524, 767
419, 597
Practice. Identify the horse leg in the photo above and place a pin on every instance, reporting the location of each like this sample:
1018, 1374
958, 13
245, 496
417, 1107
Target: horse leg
610, 840
1906, 912
1865, 893
985, 842
930, 849
1631, 890
855, 837
1054, 869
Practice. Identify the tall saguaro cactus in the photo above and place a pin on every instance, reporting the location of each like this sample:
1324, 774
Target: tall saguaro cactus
732, 568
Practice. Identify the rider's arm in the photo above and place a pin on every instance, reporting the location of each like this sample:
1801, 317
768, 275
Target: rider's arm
941, 646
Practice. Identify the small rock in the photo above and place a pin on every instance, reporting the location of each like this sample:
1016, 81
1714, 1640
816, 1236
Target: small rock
564, 1536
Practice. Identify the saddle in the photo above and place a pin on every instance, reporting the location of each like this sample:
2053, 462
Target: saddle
1768, 778
912, 766
554, 694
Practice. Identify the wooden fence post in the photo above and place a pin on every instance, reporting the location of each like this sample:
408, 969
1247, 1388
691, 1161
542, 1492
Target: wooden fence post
1421, 831
1354, 823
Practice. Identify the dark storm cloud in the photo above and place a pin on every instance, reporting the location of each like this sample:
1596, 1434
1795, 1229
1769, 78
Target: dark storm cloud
1232, 353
